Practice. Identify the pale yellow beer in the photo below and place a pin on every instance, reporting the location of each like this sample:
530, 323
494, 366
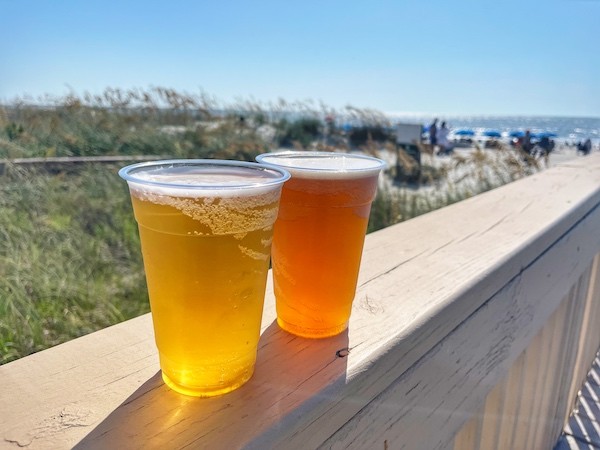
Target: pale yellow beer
319, 236
206, 230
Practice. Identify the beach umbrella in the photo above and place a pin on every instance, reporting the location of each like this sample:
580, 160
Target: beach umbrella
492, 133
517, 134
547, 134
464, 132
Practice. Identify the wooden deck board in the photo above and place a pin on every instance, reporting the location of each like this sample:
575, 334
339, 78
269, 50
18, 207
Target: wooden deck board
583, 428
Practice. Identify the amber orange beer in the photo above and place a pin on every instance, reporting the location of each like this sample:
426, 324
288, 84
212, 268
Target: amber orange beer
319, 236
206, 229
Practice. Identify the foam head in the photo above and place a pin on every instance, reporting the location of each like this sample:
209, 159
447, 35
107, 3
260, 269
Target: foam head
324, 165
200, 178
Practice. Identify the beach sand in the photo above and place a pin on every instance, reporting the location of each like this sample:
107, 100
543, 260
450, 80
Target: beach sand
466, 174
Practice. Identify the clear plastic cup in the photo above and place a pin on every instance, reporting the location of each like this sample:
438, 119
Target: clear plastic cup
319, 237
206, 230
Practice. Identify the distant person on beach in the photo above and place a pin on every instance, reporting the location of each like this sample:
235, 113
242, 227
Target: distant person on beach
433, 135
330, 124
586, 147
442, 140
526, 145
546, 145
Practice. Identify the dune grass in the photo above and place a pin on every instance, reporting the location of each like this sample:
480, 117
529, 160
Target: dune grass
459, 178
162, 121
69, 260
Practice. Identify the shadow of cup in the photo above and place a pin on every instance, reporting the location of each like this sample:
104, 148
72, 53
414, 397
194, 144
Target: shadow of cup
290, 371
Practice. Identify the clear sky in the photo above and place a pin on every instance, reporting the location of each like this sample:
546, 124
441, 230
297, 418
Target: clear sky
454, 57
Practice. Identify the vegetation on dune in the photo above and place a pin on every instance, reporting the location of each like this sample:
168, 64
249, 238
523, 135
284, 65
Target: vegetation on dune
164, 122
159, 122
460, 178
70, 259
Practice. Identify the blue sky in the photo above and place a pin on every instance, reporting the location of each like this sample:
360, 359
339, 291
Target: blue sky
462, 57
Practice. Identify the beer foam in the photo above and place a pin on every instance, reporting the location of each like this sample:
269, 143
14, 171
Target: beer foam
225, 215
324, 165
224, 196
203, 181
253, 254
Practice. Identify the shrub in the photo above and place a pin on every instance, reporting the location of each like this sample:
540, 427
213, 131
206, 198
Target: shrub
362, 135
302, 131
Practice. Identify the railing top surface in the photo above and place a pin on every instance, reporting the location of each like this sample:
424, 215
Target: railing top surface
419, 280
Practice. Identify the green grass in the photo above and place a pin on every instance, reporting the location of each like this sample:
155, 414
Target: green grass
69, 260
125, 123
161, 121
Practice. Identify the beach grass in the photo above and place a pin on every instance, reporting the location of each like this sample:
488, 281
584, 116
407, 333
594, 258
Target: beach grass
164, 122
461, 176
69, 260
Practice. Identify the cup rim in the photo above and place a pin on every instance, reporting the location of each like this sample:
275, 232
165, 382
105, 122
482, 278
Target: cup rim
381, 164
127, 173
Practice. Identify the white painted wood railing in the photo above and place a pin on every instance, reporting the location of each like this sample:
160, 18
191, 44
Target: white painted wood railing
473, 327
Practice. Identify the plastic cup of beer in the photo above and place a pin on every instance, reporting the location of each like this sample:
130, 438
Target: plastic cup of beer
319, 236
206, 229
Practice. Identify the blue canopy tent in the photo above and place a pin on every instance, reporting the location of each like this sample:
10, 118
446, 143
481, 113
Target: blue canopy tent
547, 134
492, 133
463, 132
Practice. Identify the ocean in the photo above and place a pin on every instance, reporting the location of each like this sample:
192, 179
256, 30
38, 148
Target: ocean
567, 129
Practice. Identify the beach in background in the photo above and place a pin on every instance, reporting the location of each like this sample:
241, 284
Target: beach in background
568, 130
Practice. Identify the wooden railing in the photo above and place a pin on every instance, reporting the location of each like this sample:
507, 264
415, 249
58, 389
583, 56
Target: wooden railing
69, 163
473, 327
